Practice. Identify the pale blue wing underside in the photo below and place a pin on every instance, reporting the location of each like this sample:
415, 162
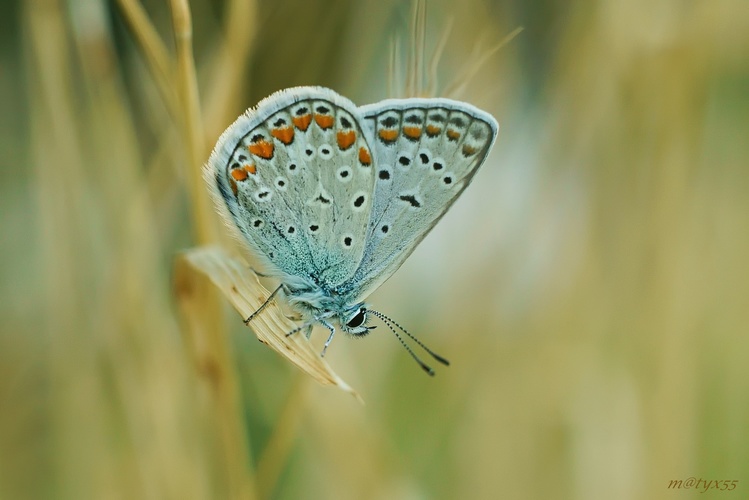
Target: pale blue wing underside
294, 177
428, 151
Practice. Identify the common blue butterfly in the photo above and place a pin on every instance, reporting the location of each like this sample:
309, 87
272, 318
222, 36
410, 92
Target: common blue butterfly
332, 198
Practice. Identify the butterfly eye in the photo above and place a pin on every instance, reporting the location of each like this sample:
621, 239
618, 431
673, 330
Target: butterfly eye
358, 319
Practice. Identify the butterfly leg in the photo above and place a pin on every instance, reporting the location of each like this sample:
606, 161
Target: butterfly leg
330, 337
265, 304
307, 326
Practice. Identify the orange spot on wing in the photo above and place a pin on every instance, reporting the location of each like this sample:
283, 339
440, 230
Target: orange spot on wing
324, 121
285, 135
468, 150
262, 148
346, 139
412, 132
239, 174
233, 186
250, 168
433, 130
452, 134
388, 135
302, 122
364, 157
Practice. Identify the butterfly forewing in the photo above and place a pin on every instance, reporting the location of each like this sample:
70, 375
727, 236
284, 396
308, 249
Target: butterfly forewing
428, 151
296, 176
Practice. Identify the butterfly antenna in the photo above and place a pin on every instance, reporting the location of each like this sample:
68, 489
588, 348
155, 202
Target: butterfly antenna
388, 321
423, 365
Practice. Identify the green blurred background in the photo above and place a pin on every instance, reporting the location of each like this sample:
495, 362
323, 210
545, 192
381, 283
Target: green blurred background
591, 288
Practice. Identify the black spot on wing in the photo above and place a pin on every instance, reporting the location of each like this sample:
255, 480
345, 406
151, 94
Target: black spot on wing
389, 121
410, 199
477, 132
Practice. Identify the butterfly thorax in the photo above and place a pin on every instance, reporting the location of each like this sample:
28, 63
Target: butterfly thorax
319, 304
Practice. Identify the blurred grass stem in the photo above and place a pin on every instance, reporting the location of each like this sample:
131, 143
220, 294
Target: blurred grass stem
153, 49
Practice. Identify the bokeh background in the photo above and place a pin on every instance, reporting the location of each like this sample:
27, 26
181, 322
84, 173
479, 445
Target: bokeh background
591, 288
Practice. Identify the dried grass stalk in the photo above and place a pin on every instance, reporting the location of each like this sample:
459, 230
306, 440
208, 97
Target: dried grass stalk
154, 51
241, 286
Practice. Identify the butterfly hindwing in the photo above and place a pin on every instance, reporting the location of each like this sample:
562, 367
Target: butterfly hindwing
296, 176
428, 151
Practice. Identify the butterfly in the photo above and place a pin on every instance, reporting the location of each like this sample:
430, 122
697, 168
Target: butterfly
332, 198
